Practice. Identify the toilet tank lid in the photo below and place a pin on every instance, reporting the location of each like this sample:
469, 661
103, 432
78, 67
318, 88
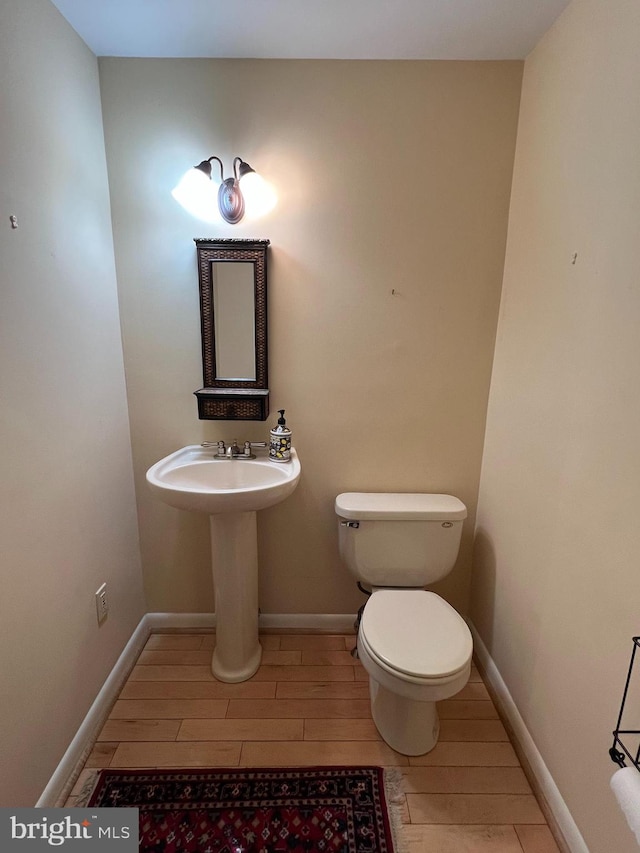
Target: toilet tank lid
399, 506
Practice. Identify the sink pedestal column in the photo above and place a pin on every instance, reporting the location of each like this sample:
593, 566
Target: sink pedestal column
234, 548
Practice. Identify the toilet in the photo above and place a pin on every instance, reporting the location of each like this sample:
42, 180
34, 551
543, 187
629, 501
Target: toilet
415, 647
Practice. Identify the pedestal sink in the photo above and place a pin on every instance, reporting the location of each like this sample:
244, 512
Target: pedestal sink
230, 491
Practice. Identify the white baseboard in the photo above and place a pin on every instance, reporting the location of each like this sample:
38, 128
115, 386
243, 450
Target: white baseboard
321, 623
543, 777
67, 771
181, 621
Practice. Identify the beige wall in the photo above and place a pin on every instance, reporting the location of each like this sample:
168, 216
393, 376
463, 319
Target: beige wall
556, 578
390, 175
67, 518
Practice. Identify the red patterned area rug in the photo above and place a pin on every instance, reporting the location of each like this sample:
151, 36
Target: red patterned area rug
246, 810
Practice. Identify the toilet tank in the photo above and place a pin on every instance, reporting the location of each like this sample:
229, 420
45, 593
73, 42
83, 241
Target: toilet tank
401, 540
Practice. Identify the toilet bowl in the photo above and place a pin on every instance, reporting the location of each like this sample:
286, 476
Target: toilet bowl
417, 651
414, 646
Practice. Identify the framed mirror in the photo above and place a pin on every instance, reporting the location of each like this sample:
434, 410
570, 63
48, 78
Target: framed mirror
232, 276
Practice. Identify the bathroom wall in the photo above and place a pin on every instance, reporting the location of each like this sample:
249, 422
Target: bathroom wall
385, 272
67, 519
556, 579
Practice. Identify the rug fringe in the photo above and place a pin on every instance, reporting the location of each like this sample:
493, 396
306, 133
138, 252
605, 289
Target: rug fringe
87, 789
395, 797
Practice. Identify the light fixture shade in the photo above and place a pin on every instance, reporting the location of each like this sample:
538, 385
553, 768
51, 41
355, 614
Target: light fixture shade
196, 193
243, 168
259, 196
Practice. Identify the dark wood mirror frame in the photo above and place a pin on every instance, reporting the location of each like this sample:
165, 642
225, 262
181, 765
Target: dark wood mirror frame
232, 399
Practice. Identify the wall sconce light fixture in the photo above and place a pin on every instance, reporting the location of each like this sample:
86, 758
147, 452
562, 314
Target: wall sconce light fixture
245, 190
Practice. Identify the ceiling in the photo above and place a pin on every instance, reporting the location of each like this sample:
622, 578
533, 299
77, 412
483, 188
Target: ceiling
313, 29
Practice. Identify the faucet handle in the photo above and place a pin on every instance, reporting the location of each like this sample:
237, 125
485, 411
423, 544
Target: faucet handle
246, 453
217, 444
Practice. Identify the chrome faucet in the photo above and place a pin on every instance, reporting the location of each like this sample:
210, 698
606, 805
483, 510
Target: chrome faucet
233, 451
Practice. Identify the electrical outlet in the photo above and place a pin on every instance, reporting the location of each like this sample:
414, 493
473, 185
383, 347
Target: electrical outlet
102, 603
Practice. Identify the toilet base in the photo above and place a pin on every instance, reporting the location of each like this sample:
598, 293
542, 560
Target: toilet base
409, 726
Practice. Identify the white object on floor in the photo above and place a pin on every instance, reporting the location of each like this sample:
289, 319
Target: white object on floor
625, 784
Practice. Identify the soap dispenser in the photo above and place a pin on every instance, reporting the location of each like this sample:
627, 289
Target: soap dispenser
280, 441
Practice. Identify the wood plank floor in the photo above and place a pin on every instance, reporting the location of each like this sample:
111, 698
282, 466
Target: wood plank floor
309, 704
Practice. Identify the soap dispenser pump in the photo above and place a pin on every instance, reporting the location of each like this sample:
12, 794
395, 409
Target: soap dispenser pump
280, 441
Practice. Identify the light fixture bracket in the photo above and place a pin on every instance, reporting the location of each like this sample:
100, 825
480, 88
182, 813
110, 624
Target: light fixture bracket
230, 201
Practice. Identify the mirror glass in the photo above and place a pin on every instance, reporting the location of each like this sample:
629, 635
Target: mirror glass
232, 275
234, 320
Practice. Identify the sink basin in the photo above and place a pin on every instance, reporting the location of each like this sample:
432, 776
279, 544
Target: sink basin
231, 491
192, 479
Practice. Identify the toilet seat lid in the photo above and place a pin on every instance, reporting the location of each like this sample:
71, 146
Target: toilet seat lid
416, 632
